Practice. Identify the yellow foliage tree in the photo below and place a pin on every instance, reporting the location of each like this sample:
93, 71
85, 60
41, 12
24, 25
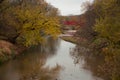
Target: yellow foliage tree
32, 22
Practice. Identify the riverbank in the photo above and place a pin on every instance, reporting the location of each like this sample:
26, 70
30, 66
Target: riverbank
9, 50
56, 62
70, 39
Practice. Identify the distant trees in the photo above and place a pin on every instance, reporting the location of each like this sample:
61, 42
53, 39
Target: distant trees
69, 22
27, 22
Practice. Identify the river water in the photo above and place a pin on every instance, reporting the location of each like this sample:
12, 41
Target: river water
53, 61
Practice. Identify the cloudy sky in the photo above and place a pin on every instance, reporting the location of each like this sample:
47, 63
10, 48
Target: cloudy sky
68, 7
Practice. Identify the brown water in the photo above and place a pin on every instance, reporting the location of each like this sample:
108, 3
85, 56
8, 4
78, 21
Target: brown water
51, 62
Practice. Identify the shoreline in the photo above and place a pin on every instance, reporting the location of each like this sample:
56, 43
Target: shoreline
9, 51
70, 39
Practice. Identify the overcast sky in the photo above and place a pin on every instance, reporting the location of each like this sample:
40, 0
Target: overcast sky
68, 7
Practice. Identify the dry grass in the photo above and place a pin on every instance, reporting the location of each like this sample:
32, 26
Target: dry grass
6, 47
70, 39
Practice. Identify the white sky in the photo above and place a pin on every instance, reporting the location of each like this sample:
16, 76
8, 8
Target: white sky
68, 7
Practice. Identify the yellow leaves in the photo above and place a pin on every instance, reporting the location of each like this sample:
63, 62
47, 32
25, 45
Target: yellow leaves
32, 22
37, 26
32, 38
27, 25
52, 27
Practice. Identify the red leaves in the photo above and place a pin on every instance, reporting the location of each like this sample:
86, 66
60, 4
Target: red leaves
70, 22
81, 23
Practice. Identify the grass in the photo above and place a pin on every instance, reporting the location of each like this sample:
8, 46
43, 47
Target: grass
70, 39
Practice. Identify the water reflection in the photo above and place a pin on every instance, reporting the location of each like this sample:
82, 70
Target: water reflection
30, 66
51, 45
55, 60
70, 70
90, 61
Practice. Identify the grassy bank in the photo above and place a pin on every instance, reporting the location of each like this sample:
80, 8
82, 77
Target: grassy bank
70, 39
8, 50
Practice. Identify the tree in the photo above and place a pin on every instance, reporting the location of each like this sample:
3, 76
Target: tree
108, 25
30, 21
87, 21
108, 28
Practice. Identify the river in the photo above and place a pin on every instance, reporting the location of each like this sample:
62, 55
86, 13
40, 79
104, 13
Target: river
53, 61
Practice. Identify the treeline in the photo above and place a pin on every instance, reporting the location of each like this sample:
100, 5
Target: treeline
102, 28
27, 22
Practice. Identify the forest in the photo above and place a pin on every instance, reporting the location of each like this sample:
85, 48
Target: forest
26, 23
